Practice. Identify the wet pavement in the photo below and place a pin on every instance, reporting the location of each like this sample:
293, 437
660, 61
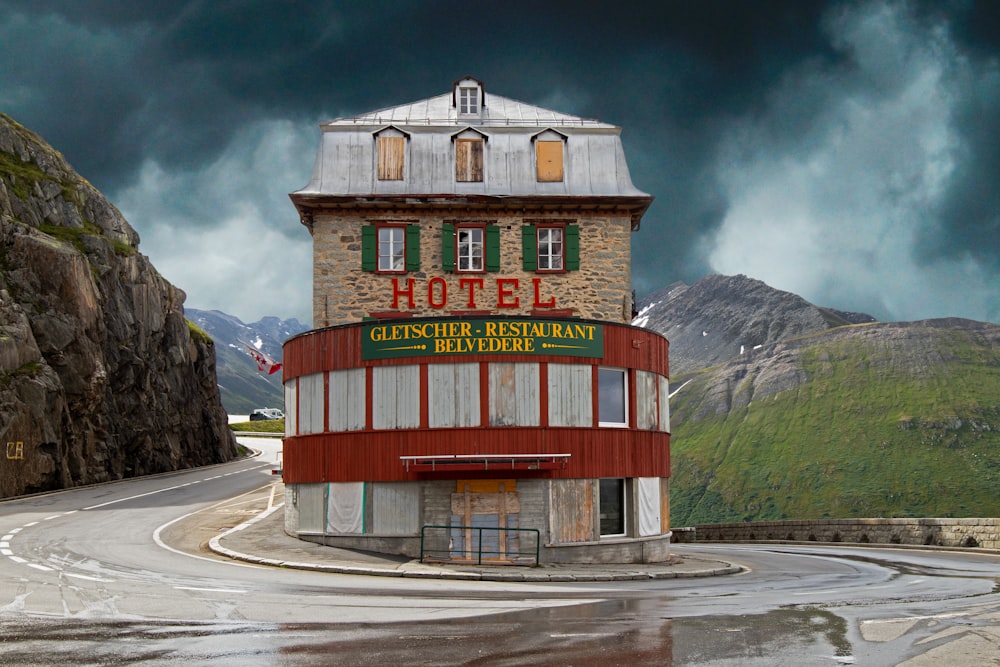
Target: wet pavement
262, 540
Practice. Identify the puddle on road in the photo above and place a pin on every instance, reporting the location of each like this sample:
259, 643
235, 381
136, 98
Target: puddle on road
615, 632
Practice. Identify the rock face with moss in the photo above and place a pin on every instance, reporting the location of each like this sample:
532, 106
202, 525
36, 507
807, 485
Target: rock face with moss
101, 377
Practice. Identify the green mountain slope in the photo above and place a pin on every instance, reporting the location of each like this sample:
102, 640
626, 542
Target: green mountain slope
885, 419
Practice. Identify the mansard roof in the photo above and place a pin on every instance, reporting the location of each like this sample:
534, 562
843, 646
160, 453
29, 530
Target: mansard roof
593, 157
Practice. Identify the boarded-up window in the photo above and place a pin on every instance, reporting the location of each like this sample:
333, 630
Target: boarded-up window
514, 397
664, 404
347, 400
310, 501
648, 497
572, 510
396, 397
390, 158
549, 156
645, 400
291, 409
469, 160
571, 395
345, 512
311, 401
453, 395
395, 508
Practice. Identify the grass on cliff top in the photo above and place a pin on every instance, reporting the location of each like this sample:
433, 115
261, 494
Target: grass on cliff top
262, 426
197, 333
870, 434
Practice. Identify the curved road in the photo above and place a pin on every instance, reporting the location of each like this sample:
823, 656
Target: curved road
103, 575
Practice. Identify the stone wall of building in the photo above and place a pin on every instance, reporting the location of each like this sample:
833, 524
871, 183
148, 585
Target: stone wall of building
600, 289
927, 532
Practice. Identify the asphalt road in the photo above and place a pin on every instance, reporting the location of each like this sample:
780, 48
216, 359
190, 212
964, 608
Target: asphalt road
118, 574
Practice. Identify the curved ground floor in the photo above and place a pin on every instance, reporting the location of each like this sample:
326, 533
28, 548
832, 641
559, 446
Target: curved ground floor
489, 518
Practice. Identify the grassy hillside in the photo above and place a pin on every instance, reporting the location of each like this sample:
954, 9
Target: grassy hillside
884, 420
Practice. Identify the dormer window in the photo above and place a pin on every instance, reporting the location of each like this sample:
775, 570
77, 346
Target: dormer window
467, 97
469, 156
468, 100
390, 148
549, 146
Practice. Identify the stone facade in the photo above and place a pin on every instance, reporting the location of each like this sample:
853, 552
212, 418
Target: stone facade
600, 289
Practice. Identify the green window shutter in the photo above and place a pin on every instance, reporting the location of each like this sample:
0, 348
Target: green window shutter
529, 248
492, 248
447, 247
369, 257
413, 247
572, 247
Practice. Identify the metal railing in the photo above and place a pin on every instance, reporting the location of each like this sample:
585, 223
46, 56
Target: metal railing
470, 548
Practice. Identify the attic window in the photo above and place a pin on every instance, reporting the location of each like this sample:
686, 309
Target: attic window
468, 99
549, 148
390, 149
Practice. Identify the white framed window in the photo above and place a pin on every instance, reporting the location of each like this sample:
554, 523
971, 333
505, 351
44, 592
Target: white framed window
550, 248
468, 99
392, 248
469, 249
612, 390
612, 507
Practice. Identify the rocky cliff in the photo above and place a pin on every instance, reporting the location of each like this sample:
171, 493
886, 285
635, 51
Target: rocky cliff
101, 377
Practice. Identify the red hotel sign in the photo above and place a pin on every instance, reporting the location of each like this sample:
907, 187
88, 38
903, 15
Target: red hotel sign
482, 336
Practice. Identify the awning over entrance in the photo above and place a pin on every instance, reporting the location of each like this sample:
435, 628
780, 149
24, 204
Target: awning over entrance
498, 462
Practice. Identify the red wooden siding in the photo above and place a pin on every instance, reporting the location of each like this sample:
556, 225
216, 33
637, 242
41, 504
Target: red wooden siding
371, 455
374, 456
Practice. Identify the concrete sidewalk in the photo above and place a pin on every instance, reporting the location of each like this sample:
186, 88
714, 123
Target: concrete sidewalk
262, 540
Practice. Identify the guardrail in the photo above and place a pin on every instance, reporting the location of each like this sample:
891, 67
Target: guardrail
465, 544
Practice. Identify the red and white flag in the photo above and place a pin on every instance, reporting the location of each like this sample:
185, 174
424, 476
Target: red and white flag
264, 362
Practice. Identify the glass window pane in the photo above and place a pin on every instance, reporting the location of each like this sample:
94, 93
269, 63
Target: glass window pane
550, 248
611, 396
470, 249
612, 506
391, 249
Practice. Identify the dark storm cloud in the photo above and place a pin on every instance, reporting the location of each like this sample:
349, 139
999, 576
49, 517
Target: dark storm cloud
202, 116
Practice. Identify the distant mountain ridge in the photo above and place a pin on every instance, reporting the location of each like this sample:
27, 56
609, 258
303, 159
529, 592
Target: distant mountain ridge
719, 316
243, 388
784, 410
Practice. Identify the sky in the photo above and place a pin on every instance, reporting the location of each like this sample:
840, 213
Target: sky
848, 152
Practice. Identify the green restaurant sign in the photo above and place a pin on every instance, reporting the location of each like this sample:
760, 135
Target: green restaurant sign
507, 336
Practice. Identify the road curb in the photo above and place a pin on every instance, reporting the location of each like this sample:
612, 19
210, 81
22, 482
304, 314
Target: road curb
417, 570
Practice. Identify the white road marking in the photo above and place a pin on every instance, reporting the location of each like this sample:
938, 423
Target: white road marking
39, 567
6, 552
87, 577
208, 590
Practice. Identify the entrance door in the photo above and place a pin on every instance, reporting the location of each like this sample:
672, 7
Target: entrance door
479, 509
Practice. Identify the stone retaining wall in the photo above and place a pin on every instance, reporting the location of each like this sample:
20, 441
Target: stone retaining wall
983, 533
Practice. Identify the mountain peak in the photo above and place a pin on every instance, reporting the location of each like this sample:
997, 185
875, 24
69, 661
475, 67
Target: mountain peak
720, 317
